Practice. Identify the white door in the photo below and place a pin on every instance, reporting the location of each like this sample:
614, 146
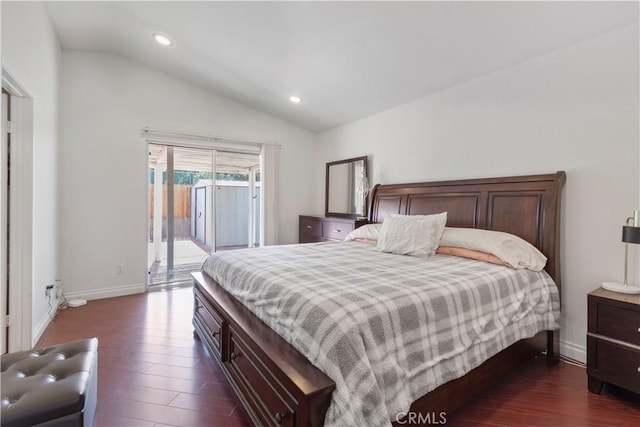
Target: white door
201, 213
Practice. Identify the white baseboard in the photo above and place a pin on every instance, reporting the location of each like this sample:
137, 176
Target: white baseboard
44, 321
573, 351
40, 328
115, 291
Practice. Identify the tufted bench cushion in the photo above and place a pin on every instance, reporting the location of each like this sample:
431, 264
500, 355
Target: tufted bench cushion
53, 386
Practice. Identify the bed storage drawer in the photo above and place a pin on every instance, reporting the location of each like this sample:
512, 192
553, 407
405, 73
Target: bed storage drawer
209, 321
273, 405
275, 384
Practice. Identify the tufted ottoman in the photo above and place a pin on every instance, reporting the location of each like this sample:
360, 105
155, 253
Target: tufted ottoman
54, 386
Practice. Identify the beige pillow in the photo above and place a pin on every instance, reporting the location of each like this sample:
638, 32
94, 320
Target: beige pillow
513, 250
471, 254
367, 241
416, 235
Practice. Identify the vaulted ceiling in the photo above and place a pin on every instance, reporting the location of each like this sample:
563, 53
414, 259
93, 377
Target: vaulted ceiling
346, 60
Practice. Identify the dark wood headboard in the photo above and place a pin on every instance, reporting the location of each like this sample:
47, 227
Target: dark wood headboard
527, 206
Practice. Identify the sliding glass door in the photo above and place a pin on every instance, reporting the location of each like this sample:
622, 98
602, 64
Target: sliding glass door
191, 214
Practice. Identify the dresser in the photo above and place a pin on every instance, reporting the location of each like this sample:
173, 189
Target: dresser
613, 340
316, 228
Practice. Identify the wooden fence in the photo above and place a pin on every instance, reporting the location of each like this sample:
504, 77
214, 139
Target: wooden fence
181, 201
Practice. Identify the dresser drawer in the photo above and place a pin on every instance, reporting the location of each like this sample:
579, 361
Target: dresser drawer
615, 363
209, 320
619, 323
274, 407
321, 228
336, 230
310, 230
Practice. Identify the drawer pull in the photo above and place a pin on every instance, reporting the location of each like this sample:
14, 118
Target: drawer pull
337, 231
279, 417
233, 355
638, 368
308, 226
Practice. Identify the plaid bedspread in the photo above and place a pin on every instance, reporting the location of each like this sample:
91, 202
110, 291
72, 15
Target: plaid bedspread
386, 328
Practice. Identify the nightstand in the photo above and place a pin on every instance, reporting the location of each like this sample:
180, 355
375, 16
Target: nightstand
613, 340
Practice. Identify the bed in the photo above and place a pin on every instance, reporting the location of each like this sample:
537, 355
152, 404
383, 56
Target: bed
277, 385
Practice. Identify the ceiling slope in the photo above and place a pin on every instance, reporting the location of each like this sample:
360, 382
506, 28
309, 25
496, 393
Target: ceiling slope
347, 60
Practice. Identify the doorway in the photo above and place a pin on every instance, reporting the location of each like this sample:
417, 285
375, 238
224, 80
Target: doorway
16, 222
191, 214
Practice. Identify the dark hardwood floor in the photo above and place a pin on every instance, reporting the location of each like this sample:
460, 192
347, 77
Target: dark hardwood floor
153, 372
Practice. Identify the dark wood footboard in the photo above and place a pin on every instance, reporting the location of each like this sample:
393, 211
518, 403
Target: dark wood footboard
274, 382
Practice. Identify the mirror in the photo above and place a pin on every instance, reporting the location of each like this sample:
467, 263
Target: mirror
347, 188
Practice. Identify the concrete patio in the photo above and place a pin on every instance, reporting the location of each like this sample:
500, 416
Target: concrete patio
187, 255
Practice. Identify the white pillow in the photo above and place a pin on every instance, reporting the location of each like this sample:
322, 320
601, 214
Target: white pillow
417, 235
368, 232
513, 250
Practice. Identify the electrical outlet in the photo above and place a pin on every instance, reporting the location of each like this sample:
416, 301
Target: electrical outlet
47, 291
119, 269
58, 292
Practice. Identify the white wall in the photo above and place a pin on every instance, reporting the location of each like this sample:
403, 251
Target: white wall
31, 54
575, 109
105, 101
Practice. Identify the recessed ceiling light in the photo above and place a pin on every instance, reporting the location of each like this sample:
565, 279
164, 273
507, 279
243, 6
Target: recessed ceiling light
295, 99
162, 39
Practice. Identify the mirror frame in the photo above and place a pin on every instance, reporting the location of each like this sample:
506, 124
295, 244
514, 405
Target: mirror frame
326, 192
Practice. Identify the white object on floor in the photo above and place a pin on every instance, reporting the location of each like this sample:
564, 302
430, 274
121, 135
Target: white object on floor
619, 287
76, 302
